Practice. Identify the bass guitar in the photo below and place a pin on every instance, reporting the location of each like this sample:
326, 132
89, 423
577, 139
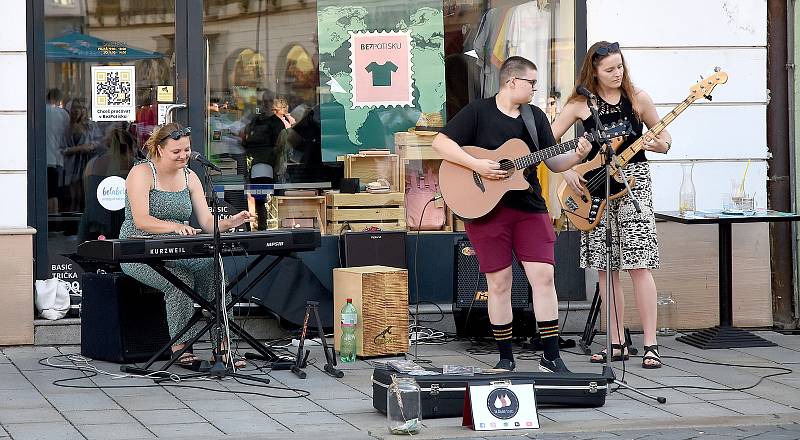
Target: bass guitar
469, 195
585, 211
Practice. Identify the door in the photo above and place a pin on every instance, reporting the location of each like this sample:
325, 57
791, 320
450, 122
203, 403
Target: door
113, 71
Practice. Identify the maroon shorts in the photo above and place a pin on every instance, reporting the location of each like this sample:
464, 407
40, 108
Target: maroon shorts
529, 235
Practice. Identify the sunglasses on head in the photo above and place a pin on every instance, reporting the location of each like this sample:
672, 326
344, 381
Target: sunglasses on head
177, 134
607, 49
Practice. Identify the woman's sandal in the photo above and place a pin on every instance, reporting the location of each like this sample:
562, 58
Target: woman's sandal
651, 353
187, 360
622, 356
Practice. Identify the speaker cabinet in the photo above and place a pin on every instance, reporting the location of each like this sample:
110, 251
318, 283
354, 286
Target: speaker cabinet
121, 320
470, 302
382, 248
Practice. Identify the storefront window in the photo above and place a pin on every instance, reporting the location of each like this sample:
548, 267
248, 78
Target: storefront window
480, 35
105, 61
281, 91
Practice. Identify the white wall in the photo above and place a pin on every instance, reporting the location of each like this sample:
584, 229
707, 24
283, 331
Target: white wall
666, 56
13, 120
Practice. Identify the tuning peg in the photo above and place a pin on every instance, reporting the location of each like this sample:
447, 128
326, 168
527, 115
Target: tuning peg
709, 97
717, 69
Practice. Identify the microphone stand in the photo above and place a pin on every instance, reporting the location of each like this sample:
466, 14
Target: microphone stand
218, 369
611, 160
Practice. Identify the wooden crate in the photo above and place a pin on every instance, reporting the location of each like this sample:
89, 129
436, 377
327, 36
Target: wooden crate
458, 224
363, 210
371, 167
416, 152
293, 210
380, 295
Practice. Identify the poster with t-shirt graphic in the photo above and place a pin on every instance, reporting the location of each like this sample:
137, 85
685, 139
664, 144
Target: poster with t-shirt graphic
382, 70
379, 69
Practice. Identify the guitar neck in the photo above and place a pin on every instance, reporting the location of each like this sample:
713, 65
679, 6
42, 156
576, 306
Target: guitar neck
538, 156
635, 147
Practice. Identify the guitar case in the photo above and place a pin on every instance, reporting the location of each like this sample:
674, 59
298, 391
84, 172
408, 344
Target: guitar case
443, 395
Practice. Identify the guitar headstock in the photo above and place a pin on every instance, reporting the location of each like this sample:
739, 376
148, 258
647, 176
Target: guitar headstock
703, 88
618, 129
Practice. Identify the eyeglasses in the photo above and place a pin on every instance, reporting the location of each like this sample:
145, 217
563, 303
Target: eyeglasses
177, 134
532, 82
605, 50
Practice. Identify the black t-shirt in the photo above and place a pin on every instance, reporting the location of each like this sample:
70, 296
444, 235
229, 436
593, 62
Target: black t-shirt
482, 124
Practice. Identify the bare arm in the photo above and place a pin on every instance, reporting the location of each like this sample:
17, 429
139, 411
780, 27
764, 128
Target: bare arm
563, 122
137, 186
450, 151
200, 208
570, 114
662, 142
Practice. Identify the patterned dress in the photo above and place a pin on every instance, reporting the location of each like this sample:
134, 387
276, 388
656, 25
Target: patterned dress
634, 241
195, 272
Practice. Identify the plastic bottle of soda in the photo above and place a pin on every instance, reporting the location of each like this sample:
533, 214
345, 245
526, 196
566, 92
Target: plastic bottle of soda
347, 343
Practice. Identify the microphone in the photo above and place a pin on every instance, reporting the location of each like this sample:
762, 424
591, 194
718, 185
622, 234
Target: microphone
583, 91
203, 161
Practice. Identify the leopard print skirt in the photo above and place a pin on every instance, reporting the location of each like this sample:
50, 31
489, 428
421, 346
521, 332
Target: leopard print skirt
633, 235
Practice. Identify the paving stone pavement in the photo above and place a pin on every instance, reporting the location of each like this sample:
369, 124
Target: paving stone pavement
39, 400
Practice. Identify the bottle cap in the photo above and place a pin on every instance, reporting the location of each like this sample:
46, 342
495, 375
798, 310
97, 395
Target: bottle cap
349, 300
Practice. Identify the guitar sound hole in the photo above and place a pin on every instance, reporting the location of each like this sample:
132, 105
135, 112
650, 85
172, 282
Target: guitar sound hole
506, 164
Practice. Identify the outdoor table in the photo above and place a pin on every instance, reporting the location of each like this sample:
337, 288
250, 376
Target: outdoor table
725, 335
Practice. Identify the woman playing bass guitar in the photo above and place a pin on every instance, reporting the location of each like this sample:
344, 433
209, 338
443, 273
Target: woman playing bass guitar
634, 241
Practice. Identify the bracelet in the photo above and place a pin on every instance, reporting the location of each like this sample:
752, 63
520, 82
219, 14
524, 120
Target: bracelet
669, 145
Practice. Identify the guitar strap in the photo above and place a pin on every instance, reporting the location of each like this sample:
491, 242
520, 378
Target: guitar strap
530, 123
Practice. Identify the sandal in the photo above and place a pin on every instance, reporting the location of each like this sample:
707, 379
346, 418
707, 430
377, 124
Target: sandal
622, 356
651, 353
187, 360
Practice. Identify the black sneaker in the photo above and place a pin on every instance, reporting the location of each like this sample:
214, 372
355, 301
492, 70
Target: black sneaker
555, 366
505, 364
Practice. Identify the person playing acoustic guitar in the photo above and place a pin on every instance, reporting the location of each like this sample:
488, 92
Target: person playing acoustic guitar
520, 223
635, 244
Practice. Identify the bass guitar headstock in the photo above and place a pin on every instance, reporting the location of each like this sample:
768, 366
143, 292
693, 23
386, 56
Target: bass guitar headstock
703, 88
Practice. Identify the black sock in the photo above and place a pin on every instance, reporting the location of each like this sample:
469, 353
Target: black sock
548, 332
502, 334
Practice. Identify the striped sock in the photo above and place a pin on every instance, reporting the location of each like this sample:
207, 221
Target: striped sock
502, 334
548, 332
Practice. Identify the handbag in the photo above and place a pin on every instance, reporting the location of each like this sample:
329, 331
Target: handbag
420, 190
52, 298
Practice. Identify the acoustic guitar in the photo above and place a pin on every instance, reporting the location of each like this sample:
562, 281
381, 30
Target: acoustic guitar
585, 212
469, 195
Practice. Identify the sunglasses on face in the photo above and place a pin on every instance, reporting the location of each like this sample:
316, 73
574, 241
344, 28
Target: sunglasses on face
605, 50
177, 134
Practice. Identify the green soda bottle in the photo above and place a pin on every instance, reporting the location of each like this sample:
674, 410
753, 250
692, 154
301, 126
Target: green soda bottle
347, 343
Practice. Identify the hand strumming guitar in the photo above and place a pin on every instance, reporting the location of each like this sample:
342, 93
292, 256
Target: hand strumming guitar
489, 169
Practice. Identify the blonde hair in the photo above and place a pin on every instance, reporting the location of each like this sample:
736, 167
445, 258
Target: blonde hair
280, 103
158, 137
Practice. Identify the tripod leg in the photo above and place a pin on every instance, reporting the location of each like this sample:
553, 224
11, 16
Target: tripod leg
300, 360
330, 355
591, 320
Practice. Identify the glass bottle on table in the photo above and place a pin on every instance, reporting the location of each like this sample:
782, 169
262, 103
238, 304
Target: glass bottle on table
686, 199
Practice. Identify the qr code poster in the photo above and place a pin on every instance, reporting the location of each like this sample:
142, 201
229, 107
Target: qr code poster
382, 69
113, 97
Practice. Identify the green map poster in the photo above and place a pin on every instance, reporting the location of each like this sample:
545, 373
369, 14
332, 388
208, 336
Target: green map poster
381, 65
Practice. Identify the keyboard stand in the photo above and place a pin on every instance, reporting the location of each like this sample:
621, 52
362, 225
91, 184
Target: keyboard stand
208, 306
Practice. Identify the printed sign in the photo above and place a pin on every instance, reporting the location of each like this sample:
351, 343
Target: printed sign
111, 193
162, 113
501, 405
164, 94
382, 69
113, 93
